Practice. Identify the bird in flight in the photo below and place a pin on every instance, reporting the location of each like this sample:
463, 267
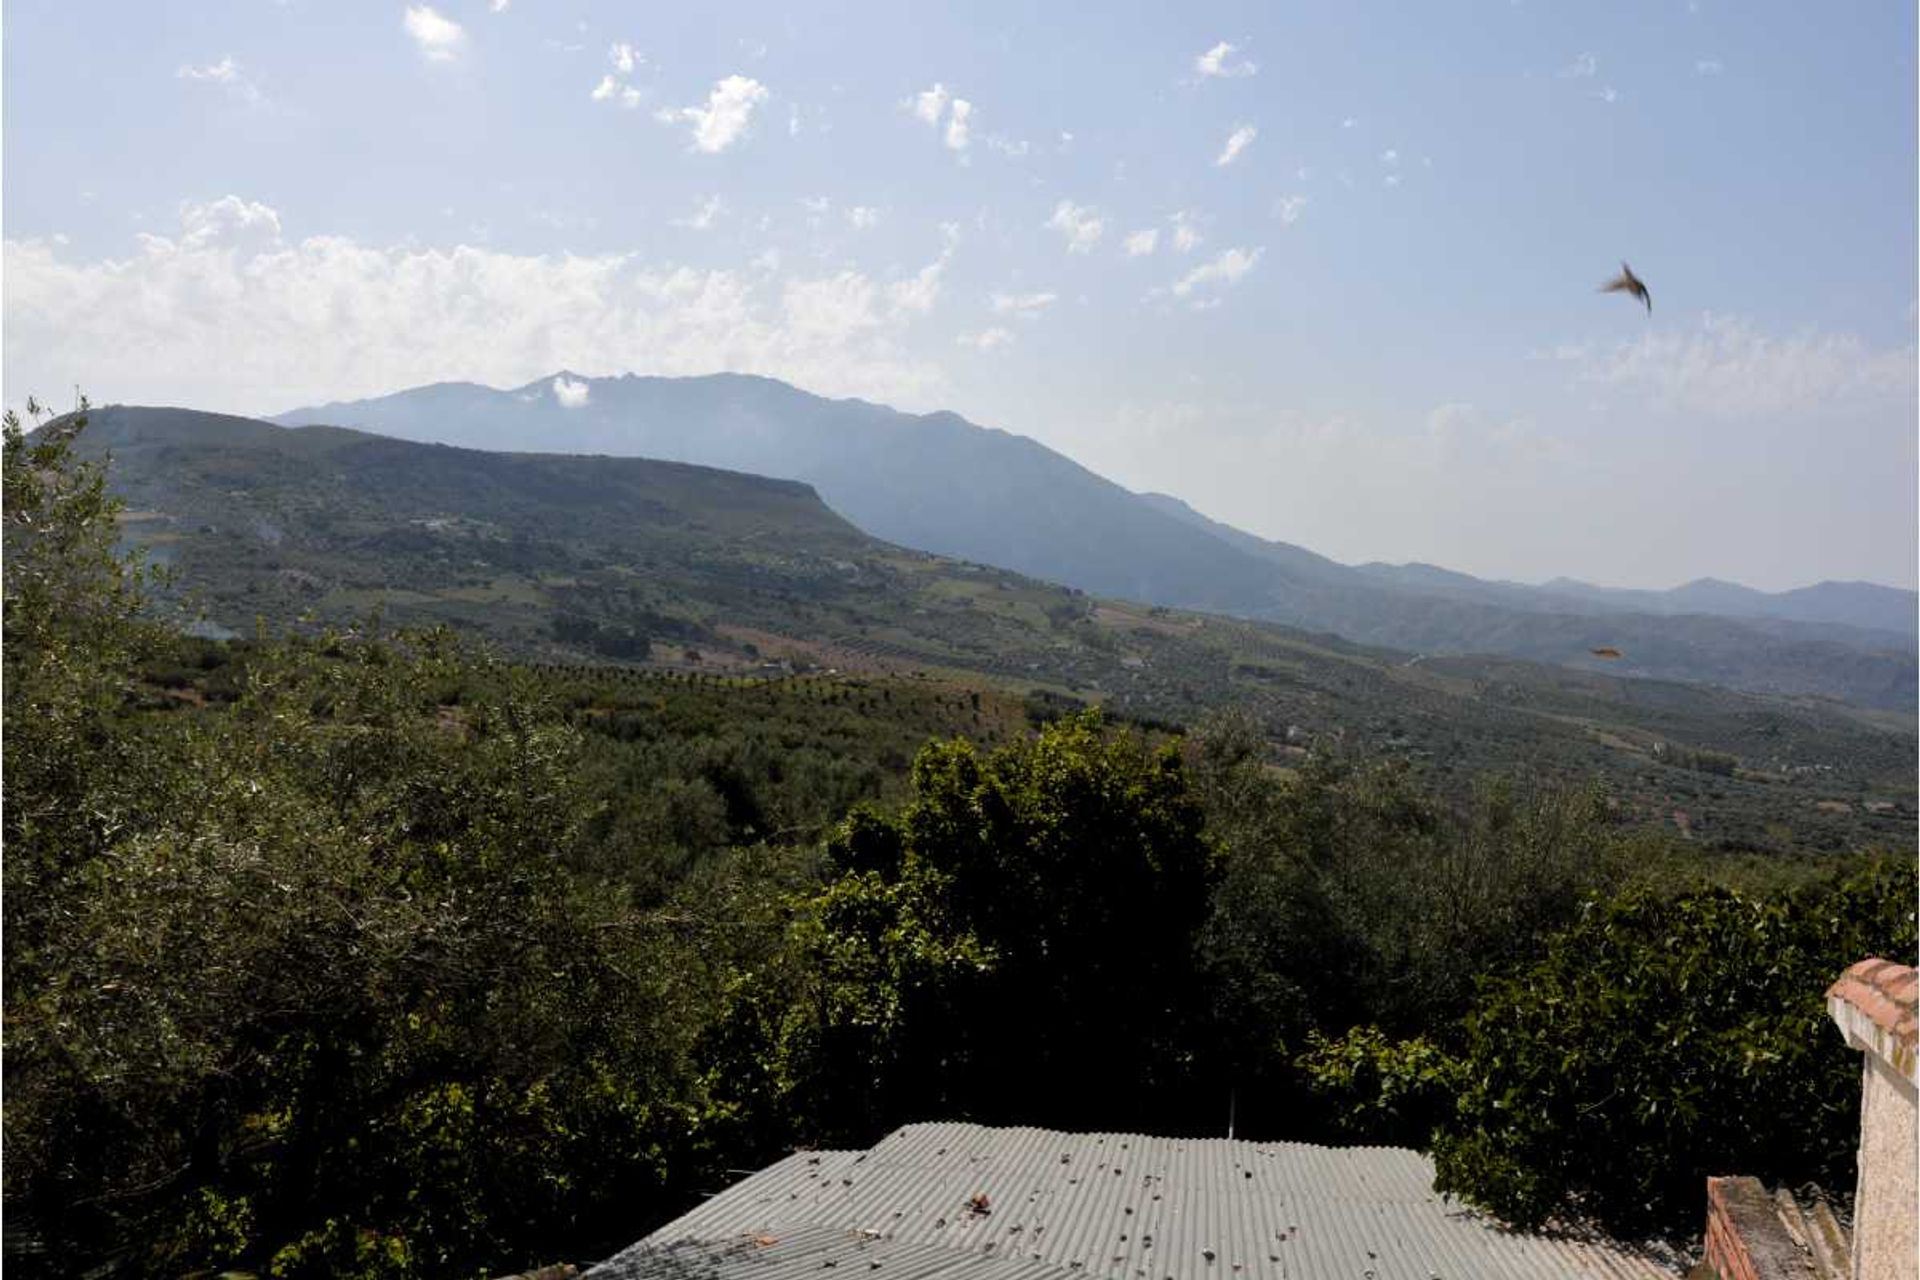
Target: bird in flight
1606, 651
1627, 282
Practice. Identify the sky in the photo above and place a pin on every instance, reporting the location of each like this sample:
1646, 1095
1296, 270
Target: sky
1327, 272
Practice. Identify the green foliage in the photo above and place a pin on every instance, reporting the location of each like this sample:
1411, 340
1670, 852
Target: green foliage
359, 955
1662, 1039
1024, 906
1352, 896
1381, 1091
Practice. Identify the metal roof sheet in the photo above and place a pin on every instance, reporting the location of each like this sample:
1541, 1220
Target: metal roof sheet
1129, 1207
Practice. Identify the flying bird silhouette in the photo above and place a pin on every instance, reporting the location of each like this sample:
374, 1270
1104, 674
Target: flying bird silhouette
1606, 651
1627, 282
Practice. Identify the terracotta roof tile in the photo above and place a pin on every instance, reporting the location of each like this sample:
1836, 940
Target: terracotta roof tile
1887, 996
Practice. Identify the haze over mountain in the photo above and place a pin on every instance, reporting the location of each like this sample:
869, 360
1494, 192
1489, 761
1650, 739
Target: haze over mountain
939, 483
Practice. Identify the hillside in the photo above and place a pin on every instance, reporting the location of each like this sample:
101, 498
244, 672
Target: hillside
938, 483
568, 559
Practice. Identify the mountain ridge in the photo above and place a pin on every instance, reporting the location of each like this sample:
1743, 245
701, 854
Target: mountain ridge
941, 484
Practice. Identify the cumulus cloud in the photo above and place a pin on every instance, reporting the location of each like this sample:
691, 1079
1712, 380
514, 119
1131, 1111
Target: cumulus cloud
958, 132
1223, 271
863, 217
1027, 306
228, 223
439, 37
1080, 225
227, 314
1142, 243
1709, 67
571, 394
624, 57
1217, 63
1728, 367
1239, 140
1186, 231
987, 339
1289, 208
724, 119
916, 294
498, 6
929, 104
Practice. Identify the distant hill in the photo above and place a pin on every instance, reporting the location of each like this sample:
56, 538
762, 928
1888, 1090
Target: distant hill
565, 559
939, 483
1866, 605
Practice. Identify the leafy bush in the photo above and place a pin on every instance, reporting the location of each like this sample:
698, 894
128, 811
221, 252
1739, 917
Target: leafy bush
1662, 1039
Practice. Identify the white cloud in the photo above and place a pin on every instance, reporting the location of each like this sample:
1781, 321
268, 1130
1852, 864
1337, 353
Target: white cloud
1142, 243
498, 6
1390, 156
1186, 231
228, 223
438, 36
1727, 367
1608, 94
1583, 67
1240, 139
623, 57
609, 88
571, 394
957, 128
702, 218
1349, 122
987, 339
328, 317
1027, 306
226, 73
918, 292
1014, 147
929, 104
793, 120
1214, 62
1709, 67
863, 217
1080, 225
1289, 208
1225, 270
725, 117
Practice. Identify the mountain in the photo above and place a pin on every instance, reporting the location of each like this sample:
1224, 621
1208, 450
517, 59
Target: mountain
563, 559
933, 481
1865, 605
941, 484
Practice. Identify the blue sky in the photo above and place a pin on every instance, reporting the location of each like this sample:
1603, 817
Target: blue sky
1368, 326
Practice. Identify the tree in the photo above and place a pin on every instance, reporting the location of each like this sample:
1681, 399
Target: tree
1662, 1039
1026, 909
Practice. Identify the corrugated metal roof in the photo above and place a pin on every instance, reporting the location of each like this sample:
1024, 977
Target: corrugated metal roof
1128, 1207
807, 1251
